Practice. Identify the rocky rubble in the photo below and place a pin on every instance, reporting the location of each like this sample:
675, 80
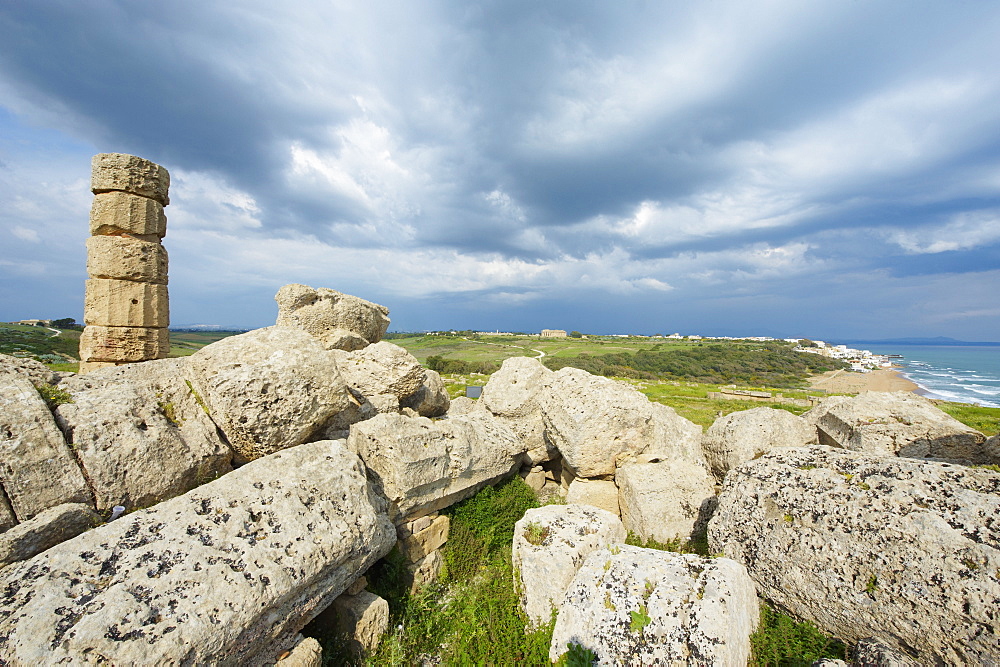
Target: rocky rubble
228, 565
227, 573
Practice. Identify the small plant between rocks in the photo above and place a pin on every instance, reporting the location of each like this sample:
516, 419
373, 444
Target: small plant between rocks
54, 396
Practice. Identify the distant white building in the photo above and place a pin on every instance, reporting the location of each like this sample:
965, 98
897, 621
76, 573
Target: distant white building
553, 333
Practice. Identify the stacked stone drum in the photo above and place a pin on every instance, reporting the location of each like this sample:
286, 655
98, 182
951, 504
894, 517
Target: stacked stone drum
126, 309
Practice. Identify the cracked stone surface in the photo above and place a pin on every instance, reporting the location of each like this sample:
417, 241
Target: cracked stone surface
224, 574
635, 606
550, 545
905, 551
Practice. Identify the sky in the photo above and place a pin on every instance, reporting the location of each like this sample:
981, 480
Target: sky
793, 168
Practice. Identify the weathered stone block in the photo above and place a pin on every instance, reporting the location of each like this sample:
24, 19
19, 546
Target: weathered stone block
594, 492
869, 545
123, 343
123, 303
117, 212
140, 433
129, 173
635, 606
340, 321
47, 529
550, 543
37, 469
269, 389
362, 619
424, 571
421, 544
225, 574
665, 501
126, 258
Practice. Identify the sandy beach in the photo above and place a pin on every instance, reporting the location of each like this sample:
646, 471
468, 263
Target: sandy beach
849, 382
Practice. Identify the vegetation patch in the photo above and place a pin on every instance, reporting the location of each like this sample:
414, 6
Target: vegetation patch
39, 343
54, 396
773, 363
780, 640
472, 615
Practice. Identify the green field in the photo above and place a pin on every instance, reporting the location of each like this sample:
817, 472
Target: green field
186, 343
40, 343
498, 348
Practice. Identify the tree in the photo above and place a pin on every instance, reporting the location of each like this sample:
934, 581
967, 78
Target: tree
575, 334
65, 323
805, 342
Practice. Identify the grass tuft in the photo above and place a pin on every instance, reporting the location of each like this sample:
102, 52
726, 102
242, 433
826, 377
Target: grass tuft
780, 640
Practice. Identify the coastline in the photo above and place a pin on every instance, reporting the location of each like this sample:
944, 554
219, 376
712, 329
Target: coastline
840, 381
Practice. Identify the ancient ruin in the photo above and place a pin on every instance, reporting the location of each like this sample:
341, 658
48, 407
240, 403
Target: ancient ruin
126, 310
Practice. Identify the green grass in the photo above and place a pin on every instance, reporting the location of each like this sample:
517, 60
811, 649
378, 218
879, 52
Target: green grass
186, 343
984, 420
472, 616
39, 343
780, 640
690, 400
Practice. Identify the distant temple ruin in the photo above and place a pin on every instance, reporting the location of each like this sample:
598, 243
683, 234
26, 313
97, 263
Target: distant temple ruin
126, 309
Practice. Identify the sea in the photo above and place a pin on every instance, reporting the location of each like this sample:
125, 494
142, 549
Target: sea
961, 373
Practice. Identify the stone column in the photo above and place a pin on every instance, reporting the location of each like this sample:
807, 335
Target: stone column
125, 304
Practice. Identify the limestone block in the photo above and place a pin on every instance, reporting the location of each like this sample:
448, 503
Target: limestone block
362, 619
358, 586
898, 424
431, 400
461, 406
666, 500
37, 469
130, 344
7, 518
536, 480
88, 366
268, 389
339, 321
419, 544
128, 173
307, 652
126, 258
382, 368
228, 573
863, 545
120, 212
404, 530
635, 606
35, 372
423, 466
425, 571
594, 492
512, 396
140, 433
123, 303
597, 424
747, 434
550, 544
47, 529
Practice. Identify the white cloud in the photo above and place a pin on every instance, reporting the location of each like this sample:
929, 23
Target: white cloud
204, 201
25, 234
963, 231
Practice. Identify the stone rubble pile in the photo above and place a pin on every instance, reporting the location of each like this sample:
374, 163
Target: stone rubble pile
265, 474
